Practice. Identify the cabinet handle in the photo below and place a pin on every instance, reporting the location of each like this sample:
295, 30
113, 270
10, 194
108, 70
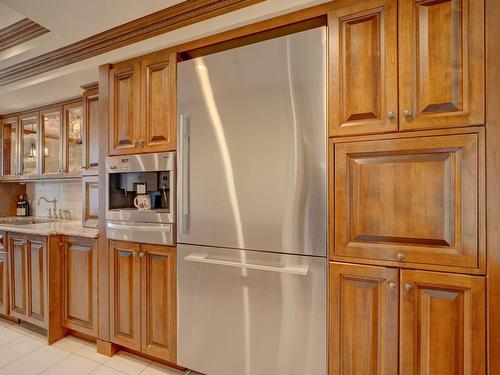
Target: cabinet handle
392, 285
391, 115
141, 254
408, 113
136, 142
141, 142
134, 253
400, 256
408, 287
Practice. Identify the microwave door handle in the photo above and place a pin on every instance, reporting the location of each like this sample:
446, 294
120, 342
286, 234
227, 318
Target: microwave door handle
300, 270
185, 131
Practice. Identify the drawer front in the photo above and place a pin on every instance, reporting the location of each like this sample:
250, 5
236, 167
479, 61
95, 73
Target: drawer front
412, 200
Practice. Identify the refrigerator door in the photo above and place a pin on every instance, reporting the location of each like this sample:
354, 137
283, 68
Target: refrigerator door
251, 313
252, 146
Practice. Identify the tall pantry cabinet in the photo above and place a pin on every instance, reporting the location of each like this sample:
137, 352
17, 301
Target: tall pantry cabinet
407, 187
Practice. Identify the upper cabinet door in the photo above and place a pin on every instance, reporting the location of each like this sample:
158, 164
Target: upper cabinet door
441, 63
51, 141
10, 147
30, 140
124, 108
158, 102
413, 200
91, 132
73, 139
442, 324
363, 68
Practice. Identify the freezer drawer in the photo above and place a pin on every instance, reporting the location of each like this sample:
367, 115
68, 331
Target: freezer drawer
268, 317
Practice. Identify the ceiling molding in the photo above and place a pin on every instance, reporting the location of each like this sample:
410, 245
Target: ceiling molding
20, 32
177, 16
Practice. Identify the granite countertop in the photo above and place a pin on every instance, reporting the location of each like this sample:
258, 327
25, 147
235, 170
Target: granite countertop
41, 227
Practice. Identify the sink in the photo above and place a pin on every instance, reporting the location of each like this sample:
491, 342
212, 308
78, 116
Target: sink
22, 221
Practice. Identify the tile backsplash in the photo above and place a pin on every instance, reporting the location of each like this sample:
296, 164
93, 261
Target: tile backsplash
67, 193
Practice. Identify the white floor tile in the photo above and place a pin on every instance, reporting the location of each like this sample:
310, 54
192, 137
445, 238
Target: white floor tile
8, 335
105, 370
17, 349
90, 352
127, 363
73, 344
74, 365
157, 369
37, 361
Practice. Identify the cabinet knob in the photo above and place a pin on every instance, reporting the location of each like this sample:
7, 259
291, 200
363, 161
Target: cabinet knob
400, 256
141, 142
141, 255
134, 254
408, 287
408, 113
136, 142
391, 115
392, 285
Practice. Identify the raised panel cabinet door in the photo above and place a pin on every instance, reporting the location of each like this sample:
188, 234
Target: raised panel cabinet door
443, 328
158, 296
415, 201
10, 147
364, 319
4, 282
124, 110
125, 294
90, 192
18, 275
158, 102
79, 271
441, 63
37, 281
90, 132
363, 67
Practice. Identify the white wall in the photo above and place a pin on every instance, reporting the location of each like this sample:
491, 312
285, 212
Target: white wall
67, 193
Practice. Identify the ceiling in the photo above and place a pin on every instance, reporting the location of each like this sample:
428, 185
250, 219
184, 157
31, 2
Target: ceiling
70, 21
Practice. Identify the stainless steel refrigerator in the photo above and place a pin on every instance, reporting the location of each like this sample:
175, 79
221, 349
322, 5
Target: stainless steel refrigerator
252, 267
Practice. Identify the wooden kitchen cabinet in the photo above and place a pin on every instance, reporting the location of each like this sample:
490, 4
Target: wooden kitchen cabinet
363, 67
416, 201
143, 298
90, 201
125, 294
4, 276
443, 328
28, 278
79, 279
72, 156
90, 130
142, 105
124, 108
441, 63
10, 147
158, 117
364, 319
158, 300
29, 130
51, 146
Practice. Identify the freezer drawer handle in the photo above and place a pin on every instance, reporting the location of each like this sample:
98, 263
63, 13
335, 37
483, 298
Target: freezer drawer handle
203, 258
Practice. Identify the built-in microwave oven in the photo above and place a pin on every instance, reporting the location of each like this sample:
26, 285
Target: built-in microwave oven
144, 177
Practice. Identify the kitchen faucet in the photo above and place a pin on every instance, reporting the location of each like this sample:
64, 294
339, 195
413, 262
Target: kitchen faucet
53, 201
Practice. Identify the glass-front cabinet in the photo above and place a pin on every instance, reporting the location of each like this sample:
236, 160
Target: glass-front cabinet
73, 122
9, 152
29, 129
51, 120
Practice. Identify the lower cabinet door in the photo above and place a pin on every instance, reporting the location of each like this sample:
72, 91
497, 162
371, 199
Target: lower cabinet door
37, 281
158, 295
125, 295
4, 295
442, 324
363, 319
17, 259
79, 269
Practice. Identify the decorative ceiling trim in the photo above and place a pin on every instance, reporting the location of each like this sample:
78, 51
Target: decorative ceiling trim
20, 32
177, 16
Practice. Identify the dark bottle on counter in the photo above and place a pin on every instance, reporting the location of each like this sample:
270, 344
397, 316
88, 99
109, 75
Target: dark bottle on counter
23, 207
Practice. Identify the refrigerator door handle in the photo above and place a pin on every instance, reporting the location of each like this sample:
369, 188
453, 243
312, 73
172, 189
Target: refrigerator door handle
184, 122
300, 270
